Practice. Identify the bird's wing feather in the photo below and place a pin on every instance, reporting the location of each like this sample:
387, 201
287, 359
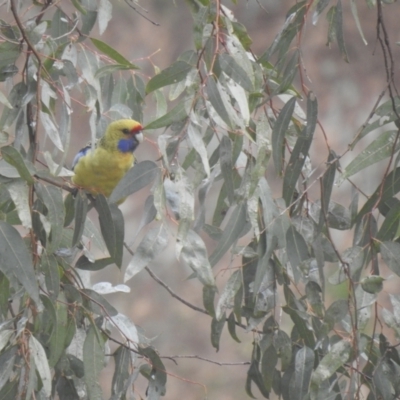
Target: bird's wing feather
82, 152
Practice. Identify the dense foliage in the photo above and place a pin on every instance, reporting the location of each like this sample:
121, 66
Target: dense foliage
226, 117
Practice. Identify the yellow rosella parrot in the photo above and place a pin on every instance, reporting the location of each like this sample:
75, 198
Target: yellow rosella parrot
101, 170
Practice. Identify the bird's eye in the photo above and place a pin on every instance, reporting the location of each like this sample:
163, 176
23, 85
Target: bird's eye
125, 131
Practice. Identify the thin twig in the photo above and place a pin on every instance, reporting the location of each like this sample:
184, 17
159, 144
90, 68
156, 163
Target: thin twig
140, 13
173, 358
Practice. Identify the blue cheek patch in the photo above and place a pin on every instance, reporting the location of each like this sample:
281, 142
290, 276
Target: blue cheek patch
127, 145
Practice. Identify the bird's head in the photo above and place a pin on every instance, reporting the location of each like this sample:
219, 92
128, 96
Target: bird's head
126, 133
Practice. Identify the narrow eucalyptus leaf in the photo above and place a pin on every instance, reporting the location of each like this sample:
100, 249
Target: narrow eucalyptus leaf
14, 158
153, 244
231, 233
112, 227
51, 197
279, 131
391, 255
304, 364
81, 209
135, 179
16, 261
93, 361
216, 330
225, 159
173, 74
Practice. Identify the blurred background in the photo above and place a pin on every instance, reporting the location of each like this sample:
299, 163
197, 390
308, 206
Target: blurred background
346, 93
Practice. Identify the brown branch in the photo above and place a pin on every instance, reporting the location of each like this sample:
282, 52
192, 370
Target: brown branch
31, 48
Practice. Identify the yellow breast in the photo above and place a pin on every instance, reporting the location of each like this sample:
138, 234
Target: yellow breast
100, 172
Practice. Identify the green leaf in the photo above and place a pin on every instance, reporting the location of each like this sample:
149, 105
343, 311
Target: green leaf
173, 74
157, 376
81, 208
389, 228
93, 361
85, 264
19, 193
268, 362
135, 179
232, 327
338, 354
228, 294
49, 266
153, 244
303, 367
372, 284
230, 67
97, 304
321, 5
378, 150
105, 14
336, 312
233, 230
42, 365
300, 151
391, 186
354, 11
208, 299
4, 100
58, 337
112, 53
314, 298
391, 255
51, 197
178, 113
339, 30
216, 101
14, 158
327, 185
109, 69
279, 131
112, 227
254, 375
216, 330
120, 380
225, 160
196, 138
16, 261
194, 254
297, 249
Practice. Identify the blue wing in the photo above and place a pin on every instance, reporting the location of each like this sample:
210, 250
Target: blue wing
82, 152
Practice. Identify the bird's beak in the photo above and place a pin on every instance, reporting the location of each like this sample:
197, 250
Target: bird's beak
139, 137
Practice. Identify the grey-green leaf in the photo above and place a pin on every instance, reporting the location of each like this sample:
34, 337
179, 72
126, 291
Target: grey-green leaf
391, 255
93, 361
332, 361
278, 132
13, 157
235, 71
135, 179
216, 100
225, 160
112, 53
228, 294
304, 363
154, 242
112, 227
173, 74
194, 254
378, 150
16, 261
232, 232
53, 200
